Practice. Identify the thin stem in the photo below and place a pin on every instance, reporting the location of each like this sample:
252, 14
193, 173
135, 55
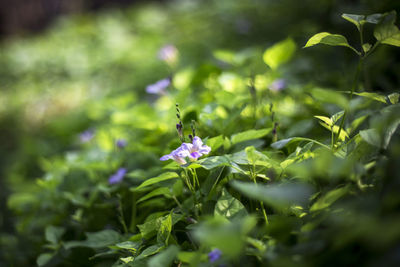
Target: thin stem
133, 215
254, 178
121, 215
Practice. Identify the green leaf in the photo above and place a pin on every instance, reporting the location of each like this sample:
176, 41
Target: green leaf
216, 142
394, 98
154, 249
372, 137
374, 18
255, 157
53, 233
329, 198
276, 195
165, 191
229, 207
357, 20
165, 258
44, 258
366, 47
249, 135
129, 245
164, 230
284, 142
213, 162
279, 53
149, 228
99, 239
386, 31
330, 96
162, 177
374, 96
329, 39
326, 120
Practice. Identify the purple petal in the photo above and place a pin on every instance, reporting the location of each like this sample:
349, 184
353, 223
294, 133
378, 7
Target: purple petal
205, 149
118, 176
166, 157
214, 255
197, 142
195, 155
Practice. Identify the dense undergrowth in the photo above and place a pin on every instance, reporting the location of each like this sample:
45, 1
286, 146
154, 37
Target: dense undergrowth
261, 166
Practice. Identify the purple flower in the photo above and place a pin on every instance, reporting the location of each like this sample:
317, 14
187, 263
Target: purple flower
117, 177
158, 87
214, 255
277, 85
86, 136
168, 53
121, 143
192, 151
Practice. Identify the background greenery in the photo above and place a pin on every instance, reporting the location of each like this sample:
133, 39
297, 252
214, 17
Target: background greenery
90, 71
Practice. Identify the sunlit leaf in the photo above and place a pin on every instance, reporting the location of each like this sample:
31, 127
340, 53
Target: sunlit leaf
329, 198
279, 53
329, 39
386, 31
249, 135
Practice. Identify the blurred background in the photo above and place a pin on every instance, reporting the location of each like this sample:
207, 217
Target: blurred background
60, 60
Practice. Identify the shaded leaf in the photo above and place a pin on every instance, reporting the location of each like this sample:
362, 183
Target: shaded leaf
229, 207
165, 258
162, 177
386, 31
329, 198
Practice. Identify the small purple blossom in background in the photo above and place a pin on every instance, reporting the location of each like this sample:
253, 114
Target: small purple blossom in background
159, 87
86, 136
117, 177
214, 255
192, 151
278, 85
121, 143
168, 53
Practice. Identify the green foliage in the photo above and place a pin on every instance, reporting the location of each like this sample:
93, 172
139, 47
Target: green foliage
276, 189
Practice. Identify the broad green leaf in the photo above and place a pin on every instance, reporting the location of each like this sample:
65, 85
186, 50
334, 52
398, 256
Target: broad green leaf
162, 177
357, 20
326, 120
165, 258
284, 142
372, 137
164, 230
279, 53
44, 258
335, 117
213, 162
154, 249
216, 142
276, 195
229, 207
129, 245
374, 18
53, 233
149, 228
329, 39
374, 96
386, 31
255, 157
96, 240
165, 191
249, 135
335, 129
326, 200
394, 98
330, 96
